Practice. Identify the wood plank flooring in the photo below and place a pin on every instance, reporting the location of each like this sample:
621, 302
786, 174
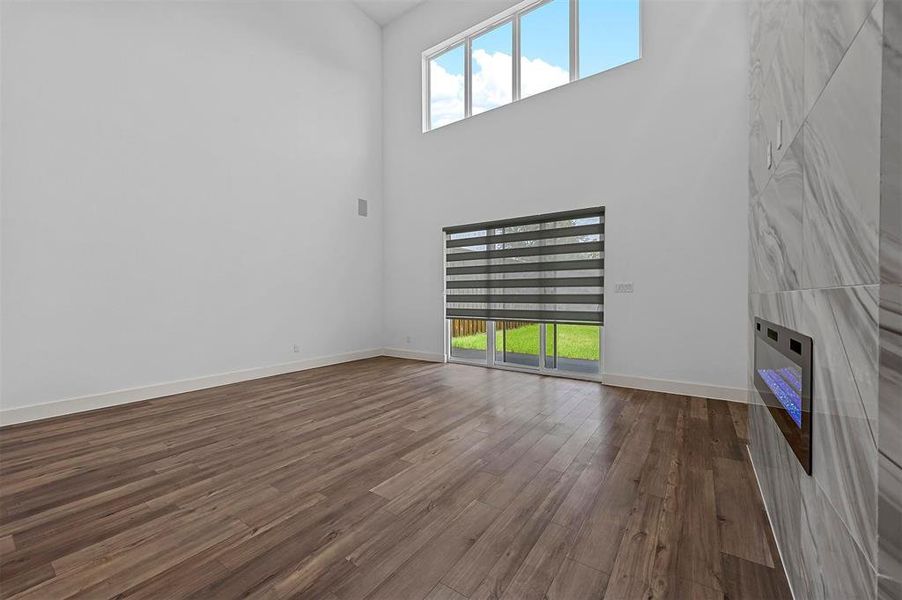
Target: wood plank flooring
388, 479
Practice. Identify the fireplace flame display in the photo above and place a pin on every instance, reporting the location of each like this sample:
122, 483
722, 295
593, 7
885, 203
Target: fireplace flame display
786, 385
783, 380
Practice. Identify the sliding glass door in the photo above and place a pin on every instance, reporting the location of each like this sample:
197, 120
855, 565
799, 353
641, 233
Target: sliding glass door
548, 348
527, 293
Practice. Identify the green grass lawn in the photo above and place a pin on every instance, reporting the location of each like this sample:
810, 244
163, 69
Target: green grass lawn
574, 341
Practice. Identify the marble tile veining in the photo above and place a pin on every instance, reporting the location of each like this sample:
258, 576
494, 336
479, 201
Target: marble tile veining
783, 99
756, 69
776, 227
843, 570
825, 562
891, 371
891, 149
842, 170
756, 88
785, 486
831, 71
890, 437
758, 171
766, 19
843, 324
889, 589
830, 26
890, 514
781, 482
856, 313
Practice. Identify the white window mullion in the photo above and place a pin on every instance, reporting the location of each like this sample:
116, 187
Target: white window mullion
490, 343
574, 40
516, 59
427, 96
468, 78
542, 346
600, 349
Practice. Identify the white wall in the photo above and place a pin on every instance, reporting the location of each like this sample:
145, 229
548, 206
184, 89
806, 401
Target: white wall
662, 143
179, 191
180, 181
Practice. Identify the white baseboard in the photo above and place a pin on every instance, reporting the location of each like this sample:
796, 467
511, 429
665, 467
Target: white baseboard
76, 405
414, 354
84, 403
684, 388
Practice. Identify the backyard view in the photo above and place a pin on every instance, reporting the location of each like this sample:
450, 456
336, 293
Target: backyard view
578, 342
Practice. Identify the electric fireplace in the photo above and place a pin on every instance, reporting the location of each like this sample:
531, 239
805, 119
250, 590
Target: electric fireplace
783, 379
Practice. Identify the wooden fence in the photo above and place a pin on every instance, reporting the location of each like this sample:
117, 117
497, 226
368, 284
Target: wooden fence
464, 327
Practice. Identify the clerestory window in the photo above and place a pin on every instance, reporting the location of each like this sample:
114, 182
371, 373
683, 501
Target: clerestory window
532, 47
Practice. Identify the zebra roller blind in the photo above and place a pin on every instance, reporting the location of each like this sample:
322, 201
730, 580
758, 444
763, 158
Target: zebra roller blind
544, 268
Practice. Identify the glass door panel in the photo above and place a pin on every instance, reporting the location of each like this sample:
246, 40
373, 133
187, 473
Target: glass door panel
517, 343
577, 348
469, 340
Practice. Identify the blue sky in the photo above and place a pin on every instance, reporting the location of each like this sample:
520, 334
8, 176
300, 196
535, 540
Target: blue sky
452, 61
496, 40
545, 34
608, 34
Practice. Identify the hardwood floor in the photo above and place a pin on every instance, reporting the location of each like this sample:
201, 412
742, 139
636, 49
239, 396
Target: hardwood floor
388, 479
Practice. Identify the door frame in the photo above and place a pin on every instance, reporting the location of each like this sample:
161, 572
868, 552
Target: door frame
542, 369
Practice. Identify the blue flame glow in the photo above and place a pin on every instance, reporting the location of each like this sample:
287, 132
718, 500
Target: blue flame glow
786, 384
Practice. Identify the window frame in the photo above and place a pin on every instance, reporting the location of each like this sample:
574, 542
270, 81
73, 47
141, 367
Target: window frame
512, 14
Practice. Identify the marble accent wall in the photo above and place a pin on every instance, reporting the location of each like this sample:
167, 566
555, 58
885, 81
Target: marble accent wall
889, 509
891, 151
825, 252
890, 457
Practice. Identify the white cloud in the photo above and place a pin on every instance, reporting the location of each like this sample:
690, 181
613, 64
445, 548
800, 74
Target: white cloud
491, 84
536, 76
447, 95
492, 80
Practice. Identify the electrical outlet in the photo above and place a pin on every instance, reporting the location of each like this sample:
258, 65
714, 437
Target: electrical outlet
296, 348
407, 339
624, 287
